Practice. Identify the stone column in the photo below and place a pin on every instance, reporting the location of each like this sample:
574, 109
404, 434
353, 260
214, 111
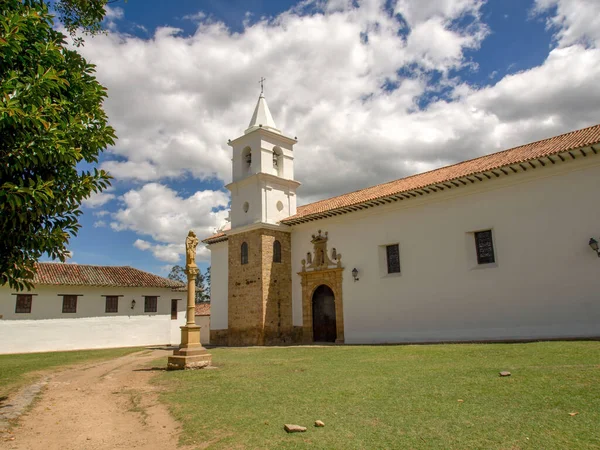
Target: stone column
190, 354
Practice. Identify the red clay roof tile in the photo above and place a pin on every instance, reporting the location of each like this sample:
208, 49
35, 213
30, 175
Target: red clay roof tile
87, 275
203, 309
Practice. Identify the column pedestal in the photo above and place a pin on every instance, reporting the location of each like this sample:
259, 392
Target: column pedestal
190, 354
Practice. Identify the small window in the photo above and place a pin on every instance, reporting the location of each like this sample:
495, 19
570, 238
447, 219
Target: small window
392, 253
173, 309
485, 247
277, 251
244, 253
150, 304
69, 304
112, 304
23, 303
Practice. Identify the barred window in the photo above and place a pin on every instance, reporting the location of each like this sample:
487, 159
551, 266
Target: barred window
112, 304
393, 258
277, 251
150, 304
244, 253
23, 303
69, 304
485, 247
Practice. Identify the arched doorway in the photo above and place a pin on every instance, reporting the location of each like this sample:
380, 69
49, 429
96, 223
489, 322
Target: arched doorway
323, 309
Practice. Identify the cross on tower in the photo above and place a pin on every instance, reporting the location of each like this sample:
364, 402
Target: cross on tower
262, 84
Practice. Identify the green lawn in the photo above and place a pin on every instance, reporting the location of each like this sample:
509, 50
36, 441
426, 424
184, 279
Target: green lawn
393, 397
18, 370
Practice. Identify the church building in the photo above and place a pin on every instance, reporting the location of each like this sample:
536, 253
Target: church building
501, 247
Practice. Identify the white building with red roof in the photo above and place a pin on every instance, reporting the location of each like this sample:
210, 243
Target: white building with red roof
74, 306
501, 247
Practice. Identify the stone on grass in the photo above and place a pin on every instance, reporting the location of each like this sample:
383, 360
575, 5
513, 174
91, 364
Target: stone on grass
319, 423
505, 374
293, 428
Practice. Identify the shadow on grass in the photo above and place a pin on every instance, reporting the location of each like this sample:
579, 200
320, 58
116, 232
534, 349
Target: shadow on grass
151, 369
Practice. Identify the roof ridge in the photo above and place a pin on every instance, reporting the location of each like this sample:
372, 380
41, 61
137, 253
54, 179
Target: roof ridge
78, 264
448, 166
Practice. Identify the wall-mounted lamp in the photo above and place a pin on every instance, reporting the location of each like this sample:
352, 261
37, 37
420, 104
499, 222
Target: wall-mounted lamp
133, 303
594, 245
355, 274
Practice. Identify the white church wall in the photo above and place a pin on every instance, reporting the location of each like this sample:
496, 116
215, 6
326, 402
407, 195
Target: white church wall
47, 328
544, 283
204, 323
219, 261
248, 192
279, 202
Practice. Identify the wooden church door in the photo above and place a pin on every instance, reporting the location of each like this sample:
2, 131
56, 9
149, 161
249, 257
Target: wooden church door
323, 308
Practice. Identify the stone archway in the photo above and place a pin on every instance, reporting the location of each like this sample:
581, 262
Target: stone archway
332, 278
323, 315
319, 269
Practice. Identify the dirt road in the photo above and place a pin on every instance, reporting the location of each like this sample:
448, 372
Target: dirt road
106, 405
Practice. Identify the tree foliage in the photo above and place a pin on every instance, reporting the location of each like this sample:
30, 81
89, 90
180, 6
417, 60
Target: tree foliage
202, 282
51, 121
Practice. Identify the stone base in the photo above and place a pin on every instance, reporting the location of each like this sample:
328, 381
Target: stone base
219, 337
182, 362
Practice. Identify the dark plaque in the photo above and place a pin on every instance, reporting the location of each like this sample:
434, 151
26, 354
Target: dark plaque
485, 247
393, 258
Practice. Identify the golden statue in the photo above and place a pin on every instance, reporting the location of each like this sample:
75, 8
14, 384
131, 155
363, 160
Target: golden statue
191, 242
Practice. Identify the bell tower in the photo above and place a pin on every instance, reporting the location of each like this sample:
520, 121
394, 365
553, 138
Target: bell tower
263, 192
263, 188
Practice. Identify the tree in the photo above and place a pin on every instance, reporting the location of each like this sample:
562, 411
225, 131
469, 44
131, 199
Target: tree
207, 282
51, 123
178, 274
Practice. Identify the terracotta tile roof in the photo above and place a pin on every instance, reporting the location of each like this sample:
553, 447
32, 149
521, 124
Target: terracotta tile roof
203, 309
524, 153
215, 238
86, 275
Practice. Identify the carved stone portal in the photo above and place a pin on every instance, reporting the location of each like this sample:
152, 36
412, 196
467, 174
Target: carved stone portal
320, 269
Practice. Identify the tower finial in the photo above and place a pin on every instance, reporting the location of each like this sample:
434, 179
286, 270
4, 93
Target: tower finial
262, 84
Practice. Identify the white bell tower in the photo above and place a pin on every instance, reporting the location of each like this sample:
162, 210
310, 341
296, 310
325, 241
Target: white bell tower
263, 189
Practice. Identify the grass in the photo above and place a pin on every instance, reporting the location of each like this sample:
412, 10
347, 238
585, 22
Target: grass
24, 368
437, 396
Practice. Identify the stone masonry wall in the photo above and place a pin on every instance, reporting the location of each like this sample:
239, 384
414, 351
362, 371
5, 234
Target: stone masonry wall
277, 289
260, 292
245, 306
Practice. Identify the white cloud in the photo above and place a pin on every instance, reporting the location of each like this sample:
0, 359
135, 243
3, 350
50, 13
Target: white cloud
101, 213
156, 210
575, 21
99, 224
170, 252
196, 17
98, 199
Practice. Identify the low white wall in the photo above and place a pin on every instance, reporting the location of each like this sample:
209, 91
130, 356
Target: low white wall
204, 323
47, 328
544, 284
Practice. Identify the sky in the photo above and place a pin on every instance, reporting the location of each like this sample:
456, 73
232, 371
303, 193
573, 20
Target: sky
375, 90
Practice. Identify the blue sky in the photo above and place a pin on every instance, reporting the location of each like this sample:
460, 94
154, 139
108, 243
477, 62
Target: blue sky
377, 89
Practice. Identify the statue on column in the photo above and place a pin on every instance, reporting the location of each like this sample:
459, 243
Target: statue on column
191, 242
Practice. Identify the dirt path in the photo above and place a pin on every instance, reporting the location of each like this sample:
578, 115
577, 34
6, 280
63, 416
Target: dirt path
106, 405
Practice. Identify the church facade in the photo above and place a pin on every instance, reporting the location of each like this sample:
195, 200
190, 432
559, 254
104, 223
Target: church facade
496, 248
